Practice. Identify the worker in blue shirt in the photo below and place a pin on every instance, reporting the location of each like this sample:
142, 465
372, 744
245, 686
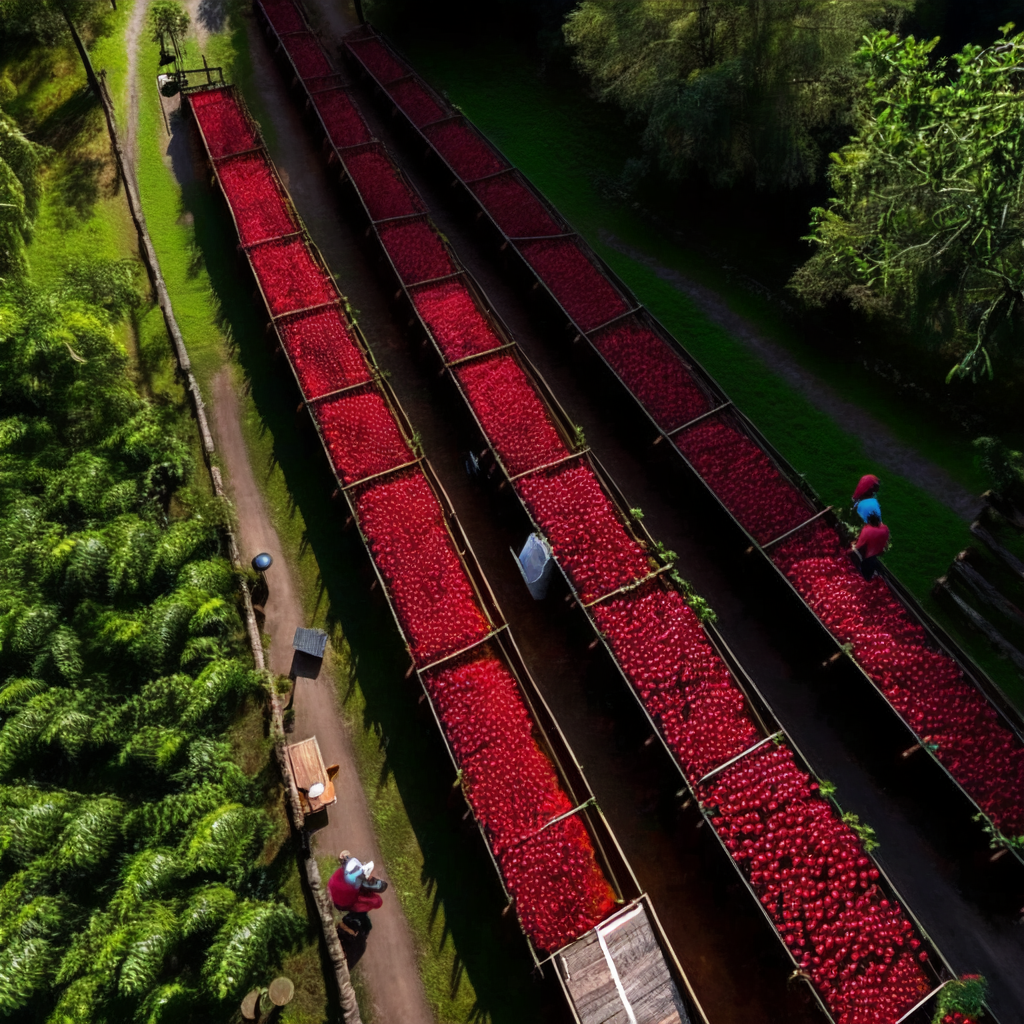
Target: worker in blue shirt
865, 498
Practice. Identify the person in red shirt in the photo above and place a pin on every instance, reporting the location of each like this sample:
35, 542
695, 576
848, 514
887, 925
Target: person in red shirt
873, 540
354, 890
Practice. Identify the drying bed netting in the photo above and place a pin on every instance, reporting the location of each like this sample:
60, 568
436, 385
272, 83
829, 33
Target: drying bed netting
515, 209
512, 415
584, 529
225, 127
925, 686
459, 328
377, 60
744, 478
403, 523
322, 352
379, 183
361, 435
416, 251
812, 876
259, 205
345, 125
307, 56
283, 15
291, 279
653, 372
559, 889
416, 102
584, 292
687, 689
465, 152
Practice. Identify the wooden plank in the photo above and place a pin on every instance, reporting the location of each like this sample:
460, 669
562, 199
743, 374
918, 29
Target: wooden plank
634, 968
308, 768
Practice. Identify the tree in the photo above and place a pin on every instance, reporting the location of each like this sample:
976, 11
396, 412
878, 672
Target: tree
736, 89
133, 880
169, 22
925, 223
20, 191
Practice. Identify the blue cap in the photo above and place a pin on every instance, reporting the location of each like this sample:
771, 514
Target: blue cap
262, 561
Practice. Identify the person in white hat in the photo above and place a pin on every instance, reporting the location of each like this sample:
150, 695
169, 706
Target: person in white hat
353, 888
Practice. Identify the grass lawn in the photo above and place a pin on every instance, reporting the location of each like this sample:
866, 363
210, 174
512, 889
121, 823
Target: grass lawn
471, 967
570, 147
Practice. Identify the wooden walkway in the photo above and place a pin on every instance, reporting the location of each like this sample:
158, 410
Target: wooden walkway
618, 974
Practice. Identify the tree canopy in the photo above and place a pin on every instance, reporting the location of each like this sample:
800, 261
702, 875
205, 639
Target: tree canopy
926, 219
133, 881
20, 192
736, 89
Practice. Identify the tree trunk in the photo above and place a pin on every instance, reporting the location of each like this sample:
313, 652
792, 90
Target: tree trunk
94, 83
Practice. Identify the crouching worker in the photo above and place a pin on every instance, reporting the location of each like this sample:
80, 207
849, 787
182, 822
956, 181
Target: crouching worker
356, 892
873, 540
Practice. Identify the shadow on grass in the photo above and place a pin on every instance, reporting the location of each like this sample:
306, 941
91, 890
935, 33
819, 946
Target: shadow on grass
457, 867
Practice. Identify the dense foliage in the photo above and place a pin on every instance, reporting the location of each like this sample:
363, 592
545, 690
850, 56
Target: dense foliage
735, 89
19, 194
929, 198
131, 880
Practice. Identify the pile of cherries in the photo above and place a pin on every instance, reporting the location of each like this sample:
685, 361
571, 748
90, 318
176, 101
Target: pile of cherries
584, 529
377, 59
383, 190
559, 889
653, 372
290, 277
509, 409
926, 687
665, 654
344, 124
307, 55
224, 125
415, 102
361, 434
322, 351
416, 251
744, 479
584, 292
464, 151
515, 209
813, 878
459, 328
258, 205
403, 524
283, 15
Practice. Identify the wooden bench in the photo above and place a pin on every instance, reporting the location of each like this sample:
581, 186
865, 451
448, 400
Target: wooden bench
308, 769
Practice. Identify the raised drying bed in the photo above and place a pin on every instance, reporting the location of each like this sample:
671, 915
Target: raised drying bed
581, 293
914, 982
549, 861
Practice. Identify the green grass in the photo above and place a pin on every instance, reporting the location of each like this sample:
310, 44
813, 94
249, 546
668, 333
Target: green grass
471, 967
571, 147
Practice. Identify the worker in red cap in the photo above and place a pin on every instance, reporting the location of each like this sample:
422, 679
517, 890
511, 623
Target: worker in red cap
865, 497
873, 540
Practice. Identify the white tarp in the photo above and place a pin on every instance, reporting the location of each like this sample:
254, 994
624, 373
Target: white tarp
535, 563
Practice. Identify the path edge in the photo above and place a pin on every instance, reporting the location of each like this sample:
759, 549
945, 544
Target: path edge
307, 861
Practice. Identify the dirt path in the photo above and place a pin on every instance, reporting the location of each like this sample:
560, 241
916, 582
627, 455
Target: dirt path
879, 442
388, 968
132, 38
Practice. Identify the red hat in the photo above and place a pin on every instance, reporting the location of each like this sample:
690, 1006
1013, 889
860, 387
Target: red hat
868, 484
